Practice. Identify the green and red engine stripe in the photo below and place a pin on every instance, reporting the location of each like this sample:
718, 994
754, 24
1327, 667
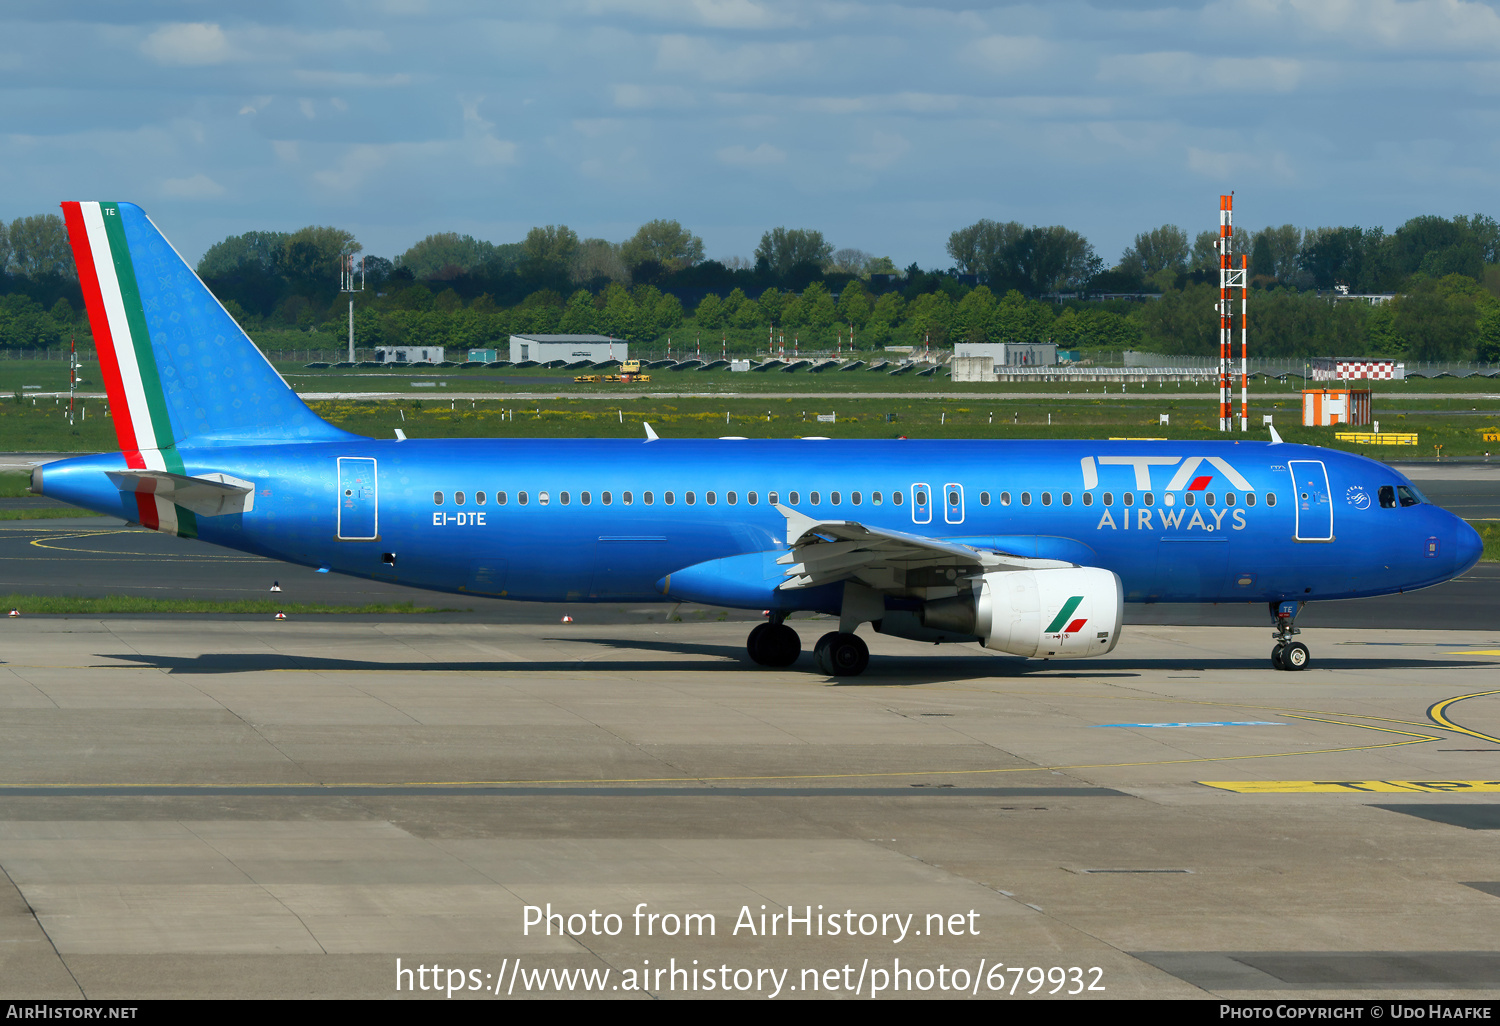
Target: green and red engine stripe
1061, 618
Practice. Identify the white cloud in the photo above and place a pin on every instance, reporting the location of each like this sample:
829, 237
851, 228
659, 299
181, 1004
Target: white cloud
1409, 26
1229, 166
743, 156
1178, 72
1009, 53
351, 79
286, 150
645, 97
199, 186
885, 149
722, 14
187, 43
692, 55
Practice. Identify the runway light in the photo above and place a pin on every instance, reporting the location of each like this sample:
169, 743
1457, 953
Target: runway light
275, 585
280, 616
15, 612
567, 619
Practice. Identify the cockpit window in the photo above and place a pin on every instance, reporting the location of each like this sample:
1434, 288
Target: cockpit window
1387, 497
1409, 495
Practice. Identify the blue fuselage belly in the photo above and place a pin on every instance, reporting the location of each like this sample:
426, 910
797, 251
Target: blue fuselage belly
347, 505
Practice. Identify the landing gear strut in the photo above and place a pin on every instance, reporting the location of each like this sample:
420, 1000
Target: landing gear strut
841, 654
1288, 654
773, 644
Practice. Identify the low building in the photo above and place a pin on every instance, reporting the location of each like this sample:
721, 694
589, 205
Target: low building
408, 354
1324, 407
483, 355
1010, 354
1356, 368
546, 348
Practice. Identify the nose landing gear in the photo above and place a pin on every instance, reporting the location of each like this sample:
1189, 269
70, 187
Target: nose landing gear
1288, 654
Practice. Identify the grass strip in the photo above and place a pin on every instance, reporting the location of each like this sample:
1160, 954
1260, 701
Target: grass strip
49, 604
1489, 531
47, 513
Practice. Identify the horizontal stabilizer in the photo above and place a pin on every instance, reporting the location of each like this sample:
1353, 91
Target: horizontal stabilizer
208, 495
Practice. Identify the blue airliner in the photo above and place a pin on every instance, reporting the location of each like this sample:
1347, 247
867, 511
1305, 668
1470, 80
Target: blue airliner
1026, 547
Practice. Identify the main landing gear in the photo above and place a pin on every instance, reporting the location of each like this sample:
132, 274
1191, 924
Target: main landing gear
773, 644
841, 654
1288, 654
838, 653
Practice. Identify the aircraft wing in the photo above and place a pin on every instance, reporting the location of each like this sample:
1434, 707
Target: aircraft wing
209, 495
827, 551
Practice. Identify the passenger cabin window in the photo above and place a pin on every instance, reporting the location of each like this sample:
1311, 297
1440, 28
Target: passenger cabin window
521, 498
814, 498
854, 498
543, 498
1387, 497
1005, 498
1026, 498
628, 498
1270, 498
500, 498
751, 497
563, 496
1249, 498
897, 498
984, 498
875, 498
1046, 498
1208, 498
771, 498
585, 498
1067, 498
691, 498
669, 498
833, 497
1109, 498
1088, 498
606, 498
479, 498
648, 498
794, 499
458, 498
1229, 498
732, 497
1188, 498
1148, 498
1130, 498
437, 498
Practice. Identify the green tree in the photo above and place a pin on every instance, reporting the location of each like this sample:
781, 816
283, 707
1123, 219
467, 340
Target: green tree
39, 246
1487, 333
771, 303
855, 304
1160, 249
4, 248
619, 315
549, 251
260, 250
446, 255
971, 319
310, 256
597, 260
711, 311
818, 309
666, 242
580, 315
782, 249
1018, 319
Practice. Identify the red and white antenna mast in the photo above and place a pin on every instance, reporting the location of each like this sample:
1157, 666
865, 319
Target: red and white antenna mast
1231, 278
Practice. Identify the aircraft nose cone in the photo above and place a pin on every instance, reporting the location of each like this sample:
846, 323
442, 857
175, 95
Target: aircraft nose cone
1468, 546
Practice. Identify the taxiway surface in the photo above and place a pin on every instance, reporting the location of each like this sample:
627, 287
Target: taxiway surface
286, 808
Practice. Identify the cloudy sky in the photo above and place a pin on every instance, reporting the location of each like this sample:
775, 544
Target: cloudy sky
884, 125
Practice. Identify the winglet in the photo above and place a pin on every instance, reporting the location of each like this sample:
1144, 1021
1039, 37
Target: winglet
400, 435
1275, 438
797, 524
651, 436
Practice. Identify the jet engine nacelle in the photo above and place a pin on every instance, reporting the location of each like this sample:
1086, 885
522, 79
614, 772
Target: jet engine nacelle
1064, 613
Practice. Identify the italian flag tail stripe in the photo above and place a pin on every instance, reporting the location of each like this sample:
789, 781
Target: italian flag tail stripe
1063, 614
131, 379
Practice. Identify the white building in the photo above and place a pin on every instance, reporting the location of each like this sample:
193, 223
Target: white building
409, 354
545, 348
1010, 354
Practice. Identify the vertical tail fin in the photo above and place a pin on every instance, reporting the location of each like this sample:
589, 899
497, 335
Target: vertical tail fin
177, 368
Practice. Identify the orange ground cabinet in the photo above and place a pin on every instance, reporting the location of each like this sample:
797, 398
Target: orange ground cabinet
1324, 406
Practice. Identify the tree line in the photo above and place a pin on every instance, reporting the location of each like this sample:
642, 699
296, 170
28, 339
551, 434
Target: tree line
1008, 282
